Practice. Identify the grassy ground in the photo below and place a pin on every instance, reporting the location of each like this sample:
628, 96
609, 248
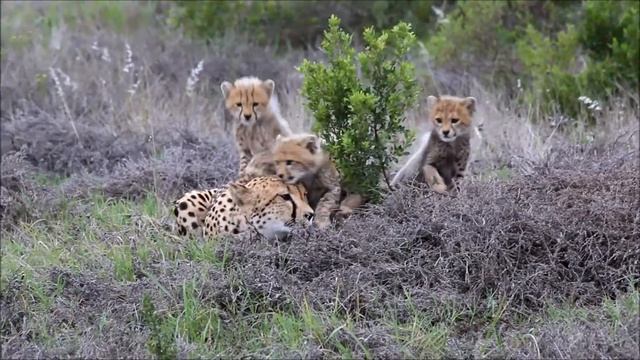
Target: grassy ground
537, 257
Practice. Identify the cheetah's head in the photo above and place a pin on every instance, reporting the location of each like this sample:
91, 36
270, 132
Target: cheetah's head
297, 156
247, 98
451, 116
272, 207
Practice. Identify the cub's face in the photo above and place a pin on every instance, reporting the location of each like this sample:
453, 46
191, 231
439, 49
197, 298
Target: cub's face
291, 171
451, 116
247, 99
296, 156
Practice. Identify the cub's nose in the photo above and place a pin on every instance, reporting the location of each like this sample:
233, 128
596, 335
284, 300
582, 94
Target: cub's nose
247, 116
445, 132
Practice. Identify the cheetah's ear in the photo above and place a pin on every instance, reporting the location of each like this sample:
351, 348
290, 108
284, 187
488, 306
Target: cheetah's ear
269, 85
226, 88
431, 101
311, 143
239, 193
470, 103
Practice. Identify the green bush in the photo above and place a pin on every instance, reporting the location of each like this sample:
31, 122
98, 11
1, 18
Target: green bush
359, 111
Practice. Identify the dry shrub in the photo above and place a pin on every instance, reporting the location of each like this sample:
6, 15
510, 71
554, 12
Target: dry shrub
565, 233
18, 190
595, 335
80, 300
195, 165
150, 94
52, 145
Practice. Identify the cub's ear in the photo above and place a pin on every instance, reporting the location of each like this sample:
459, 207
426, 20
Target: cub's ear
311, 143
239, 193
269, 85
470, 103
226, 88
431, 101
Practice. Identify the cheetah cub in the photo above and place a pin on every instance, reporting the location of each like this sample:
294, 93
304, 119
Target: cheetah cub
443, 154
257, 119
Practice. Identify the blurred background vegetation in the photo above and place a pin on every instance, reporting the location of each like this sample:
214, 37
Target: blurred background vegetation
544, 53
547, 53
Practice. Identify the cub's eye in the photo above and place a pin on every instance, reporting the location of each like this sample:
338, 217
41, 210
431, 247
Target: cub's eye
455, 120
289, 162
255, 104
439, 120
238, 104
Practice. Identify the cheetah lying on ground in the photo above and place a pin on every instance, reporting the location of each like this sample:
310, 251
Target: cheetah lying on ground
264, 205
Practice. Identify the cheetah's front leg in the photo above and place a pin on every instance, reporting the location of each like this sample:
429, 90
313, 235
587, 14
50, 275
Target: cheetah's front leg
350, 203
460, 172
434, 179
327, 205
245, 157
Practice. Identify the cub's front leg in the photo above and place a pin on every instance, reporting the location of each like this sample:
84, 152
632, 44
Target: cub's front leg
350, 203
326, 206
245, 158
330, 201
434, 179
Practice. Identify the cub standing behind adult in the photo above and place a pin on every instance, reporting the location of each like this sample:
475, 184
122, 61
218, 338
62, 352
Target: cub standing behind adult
257, 119
443, 154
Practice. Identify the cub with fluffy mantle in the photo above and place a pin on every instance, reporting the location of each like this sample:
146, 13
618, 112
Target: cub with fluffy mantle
300, 158
257, 119
443, 154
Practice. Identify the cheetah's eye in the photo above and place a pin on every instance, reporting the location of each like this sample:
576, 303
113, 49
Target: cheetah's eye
455, 120
289, 162
255, 104
238, 104
439, 120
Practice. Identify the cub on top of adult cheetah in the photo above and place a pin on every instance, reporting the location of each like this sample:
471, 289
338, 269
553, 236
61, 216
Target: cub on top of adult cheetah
257, 118
443, 154
301, 159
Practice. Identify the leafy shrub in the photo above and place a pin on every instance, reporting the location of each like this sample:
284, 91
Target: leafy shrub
360, 113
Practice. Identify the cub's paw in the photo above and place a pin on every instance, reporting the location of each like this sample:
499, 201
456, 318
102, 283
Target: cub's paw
322, 223
439, 188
